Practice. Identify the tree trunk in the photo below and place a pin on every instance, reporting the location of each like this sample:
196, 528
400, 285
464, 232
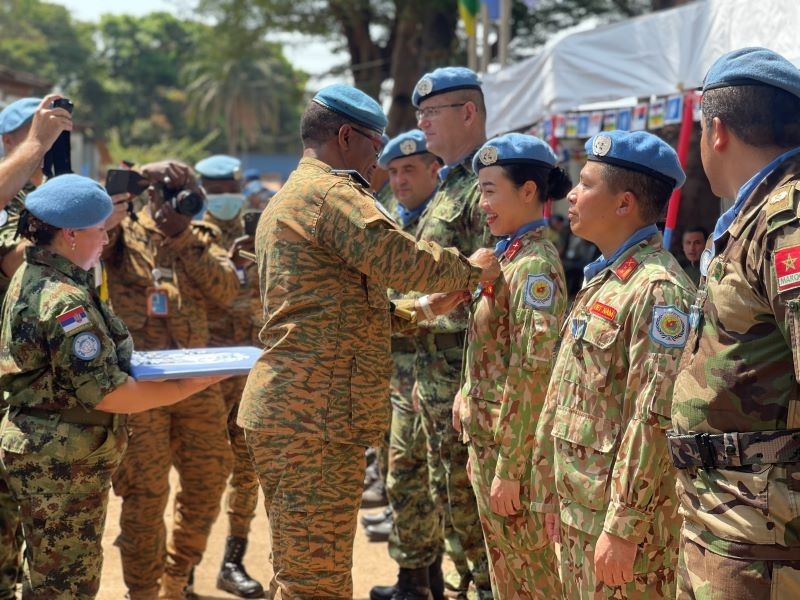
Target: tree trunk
367, 59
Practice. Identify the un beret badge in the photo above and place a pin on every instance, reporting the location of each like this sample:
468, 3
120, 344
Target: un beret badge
425, 86
408, 147
601, 145
488, 155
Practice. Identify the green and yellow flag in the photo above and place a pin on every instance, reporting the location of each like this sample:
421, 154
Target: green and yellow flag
468, 10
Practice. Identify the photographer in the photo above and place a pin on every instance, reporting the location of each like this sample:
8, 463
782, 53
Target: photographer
163, 271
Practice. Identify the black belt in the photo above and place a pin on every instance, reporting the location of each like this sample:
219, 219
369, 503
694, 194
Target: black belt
403, 344
739, 449
74, 416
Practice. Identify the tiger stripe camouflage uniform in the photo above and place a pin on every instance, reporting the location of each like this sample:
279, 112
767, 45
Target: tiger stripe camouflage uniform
508, 360
190, 435
740, 498
601, 456
317, 395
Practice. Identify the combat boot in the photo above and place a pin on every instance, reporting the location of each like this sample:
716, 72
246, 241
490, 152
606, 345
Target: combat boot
375, 495
173, 587
232, 576
375, 518
412, 584
381, 531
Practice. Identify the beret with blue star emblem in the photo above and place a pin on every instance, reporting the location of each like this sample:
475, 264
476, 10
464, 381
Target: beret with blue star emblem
444, 79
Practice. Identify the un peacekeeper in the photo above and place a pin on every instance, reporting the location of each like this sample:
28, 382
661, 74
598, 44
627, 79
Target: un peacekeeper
28, 128
317, 396
163, 272
64, 369
415, 536
601, 464
233, 326
452, 114
736, 410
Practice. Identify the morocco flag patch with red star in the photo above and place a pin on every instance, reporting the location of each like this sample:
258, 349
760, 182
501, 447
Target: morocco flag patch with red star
787, 268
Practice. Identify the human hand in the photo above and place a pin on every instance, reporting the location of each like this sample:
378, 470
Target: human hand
456, 417
196, 384
247, 243
504, 497
485, 259
169, 221
48, 123
179, 174
119, 210
552, 526
613, 559
442, 303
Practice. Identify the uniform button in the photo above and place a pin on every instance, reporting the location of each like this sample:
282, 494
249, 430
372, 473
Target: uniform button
730, 449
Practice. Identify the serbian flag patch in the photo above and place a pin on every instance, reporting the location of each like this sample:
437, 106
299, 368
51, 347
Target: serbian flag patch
787, 268
73, 319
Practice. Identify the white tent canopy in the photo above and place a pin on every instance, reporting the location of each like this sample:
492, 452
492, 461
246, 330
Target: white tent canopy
653, 55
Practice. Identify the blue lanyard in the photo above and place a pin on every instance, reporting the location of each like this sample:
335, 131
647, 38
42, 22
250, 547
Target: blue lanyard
501, 246
593, 268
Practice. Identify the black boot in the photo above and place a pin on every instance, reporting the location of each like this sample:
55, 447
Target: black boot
232, 577
436, 579
412, 584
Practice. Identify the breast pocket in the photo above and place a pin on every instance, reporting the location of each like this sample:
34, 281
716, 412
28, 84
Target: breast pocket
594, 354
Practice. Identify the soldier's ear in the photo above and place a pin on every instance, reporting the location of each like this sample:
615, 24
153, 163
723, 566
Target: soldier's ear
719, 135
343, 136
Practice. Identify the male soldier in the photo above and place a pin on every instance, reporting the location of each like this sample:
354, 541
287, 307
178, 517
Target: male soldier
28, 128
452, 113
163, 269
601, 465
692, 242
736, 410
414, 533
233, 326
317, 396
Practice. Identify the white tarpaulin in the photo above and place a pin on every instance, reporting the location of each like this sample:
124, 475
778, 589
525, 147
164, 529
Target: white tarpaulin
658, 54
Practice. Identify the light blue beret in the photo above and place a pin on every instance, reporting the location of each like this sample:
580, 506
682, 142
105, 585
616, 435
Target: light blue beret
353, 104
251, 174
255, 187
753, 66
16, 114
514, 148
219, 166
638, 151
444, 79
70, 201
406, 144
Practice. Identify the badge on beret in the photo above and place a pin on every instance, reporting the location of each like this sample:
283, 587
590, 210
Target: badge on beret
539, 291
86, 346
488, 155
670, 326
425, 86
601, 145
408, 147
3, 217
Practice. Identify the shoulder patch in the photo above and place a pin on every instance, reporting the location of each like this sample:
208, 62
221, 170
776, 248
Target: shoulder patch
73, 320
626, 269
787, 268
86, 346
781, 199
512, 250
669, 326
539, 291
609, 313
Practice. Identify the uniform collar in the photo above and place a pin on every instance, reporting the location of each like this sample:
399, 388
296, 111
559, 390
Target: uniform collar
598, 265
464, 163
503, 245
628, 257
38, 255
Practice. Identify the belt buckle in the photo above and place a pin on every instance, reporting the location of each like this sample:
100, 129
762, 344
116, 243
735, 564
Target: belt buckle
706, 451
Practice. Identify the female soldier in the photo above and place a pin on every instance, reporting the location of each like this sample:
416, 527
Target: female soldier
510, 340
64, 372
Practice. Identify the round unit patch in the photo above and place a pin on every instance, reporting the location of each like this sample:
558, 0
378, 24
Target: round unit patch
408, 147
601, 145
86, 346
3, 217
670, 326
705, 260
539, 291
488, 155
425, 86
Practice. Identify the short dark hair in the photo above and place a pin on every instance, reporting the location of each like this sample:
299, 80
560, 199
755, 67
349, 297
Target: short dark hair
652, 194
34, 229
759, 115
472, 95
319, 124
697, 229
552, 182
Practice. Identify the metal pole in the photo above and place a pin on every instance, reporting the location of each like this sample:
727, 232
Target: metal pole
485, 49
505, 31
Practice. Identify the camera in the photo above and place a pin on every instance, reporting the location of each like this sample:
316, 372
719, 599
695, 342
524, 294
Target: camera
183, 201
250, 221
57, 159
64, 103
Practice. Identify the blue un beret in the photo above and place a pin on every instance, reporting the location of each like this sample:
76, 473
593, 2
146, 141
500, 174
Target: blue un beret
444, 79
514, 148
219, 166
406, 144
753, 66
16, 114
638, 151
353, 104
70, 201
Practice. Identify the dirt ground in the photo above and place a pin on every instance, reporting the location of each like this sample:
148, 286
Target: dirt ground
371, 562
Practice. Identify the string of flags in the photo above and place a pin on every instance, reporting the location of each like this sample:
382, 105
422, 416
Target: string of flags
657, 113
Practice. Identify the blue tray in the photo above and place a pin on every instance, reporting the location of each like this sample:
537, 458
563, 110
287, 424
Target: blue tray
193, 362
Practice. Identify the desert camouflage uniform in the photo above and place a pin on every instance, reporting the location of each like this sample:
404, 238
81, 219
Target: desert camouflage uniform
58, 471
601, 450
509, 357
739, 375
453, 218
190, 435
317, 395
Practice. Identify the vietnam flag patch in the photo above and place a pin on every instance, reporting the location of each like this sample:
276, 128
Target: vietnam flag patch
787, 268
605, 311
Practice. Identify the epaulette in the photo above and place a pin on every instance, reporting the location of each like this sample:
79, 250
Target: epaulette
782, 205
352, 174
209, 229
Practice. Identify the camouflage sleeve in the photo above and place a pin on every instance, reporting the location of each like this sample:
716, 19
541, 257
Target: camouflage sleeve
537, 303
482, 237
656, 333
543, 495
351, 227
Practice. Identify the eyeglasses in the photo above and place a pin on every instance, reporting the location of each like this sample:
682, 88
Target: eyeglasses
377, 142
431, 111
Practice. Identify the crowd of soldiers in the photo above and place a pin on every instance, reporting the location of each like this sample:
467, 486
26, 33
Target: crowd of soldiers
640, 442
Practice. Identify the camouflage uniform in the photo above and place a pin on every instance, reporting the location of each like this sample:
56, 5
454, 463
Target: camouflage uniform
190, 435
452, 219
740, 492
59, 468
317, 395
507, 364
600, 444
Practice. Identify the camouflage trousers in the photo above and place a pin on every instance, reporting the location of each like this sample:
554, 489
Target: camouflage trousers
438, 377
522, 561
10, 541
60, 475
312, 492
653, 570
416, 538
704, 575
241, 495
191, 435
